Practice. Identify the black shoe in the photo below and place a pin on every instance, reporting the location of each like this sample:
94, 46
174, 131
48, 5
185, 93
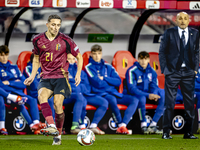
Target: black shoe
166, 136
189, 136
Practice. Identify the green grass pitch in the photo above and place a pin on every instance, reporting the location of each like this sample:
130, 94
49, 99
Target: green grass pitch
103, 142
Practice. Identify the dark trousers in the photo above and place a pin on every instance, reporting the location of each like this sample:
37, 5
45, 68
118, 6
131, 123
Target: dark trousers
186, 79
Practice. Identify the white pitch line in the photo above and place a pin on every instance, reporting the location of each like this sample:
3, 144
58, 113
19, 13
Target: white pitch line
137, 138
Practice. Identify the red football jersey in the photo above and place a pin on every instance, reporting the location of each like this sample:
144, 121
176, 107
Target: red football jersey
53, 54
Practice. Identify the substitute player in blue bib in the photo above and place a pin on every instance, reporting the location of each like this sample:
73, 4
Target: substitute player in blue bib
11, 80
104, 81
141, 81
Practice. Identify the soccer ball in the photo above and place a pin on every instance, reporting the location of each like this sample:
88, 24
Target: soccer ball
85, 137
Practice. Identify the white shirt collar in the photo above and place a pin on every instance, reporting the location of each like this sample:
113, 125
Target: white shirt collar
180, 30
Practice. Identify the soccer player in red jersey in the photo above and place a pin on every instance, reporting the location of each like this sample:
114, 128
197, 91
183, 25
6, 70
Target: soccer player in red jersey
50, 52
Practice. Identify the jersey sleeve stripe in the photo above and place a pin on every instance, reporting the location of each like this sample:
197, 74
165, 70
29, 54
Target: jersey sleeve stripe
131, 75
88, 70
68, 49
37, 46
27, 71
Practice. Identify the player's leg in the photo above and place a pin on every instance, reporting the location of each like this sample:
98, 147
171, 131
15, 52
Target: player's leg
159, 112
3, 130
198, 110
62, 89
102, 105
43, 95
12, 97
77, 99
25, 114
51, 103
83, 113
142, 113
112, 100
132, 103
34, 111
59, 117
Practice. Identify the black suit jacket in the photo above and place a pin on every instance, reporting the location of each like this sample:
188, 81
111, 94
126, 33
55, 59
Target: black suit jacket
170, 50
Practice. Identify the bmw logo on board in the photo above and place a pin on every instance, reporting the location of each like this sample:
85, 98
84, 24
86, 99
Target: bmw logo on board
18, 123
178, 122
112, 125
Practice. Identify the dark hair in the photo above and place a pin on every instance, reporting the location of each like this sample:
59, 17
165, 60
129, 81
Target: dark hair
4, 49
54, 17
95, 48
31, 57
143, 54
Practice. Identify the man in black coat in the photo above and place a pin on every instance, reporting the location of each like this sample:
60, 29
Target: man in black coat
179, 61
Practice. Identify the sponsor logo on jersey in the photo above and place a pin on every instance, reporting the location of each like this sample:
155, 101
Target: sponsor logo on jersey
62, 91
86, 122
139, 80
82, 3
106, 3
36, 3
152, 4
59, 3
58, 46
178, 122
132, 4
149, 75
43, 46
112, 125
13, 71
19, 123
12, 3
194, 6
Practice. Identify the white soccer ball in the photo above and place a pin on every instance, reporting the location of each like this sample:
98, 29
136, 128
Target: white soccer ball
85, 137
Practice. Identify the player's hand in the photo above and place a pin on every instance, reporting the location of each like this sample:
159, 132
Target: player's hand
17, 80
101, 77
77, 79
154, 97
6, 82
28, 81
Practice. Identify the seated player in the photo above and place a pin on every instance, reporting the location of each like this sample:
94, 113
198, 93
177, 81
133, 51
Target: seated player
141, 82
76, 95
11, 81
104, 81
12, 97
92, 99
32, 88
197, 97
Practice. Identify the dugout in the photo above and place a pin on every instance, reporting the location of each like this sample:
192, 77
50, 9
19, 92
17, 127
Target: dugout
151, 13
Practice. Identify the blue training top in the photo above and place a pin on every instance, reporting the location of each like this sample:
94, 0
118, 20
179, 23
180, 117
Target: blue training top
111, 79
140, 81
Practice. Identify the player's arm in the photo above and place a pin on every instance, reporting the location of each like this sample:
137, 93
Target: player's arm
36, 65
19, 82
27, 73
114, 79
79, 68
132, 85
